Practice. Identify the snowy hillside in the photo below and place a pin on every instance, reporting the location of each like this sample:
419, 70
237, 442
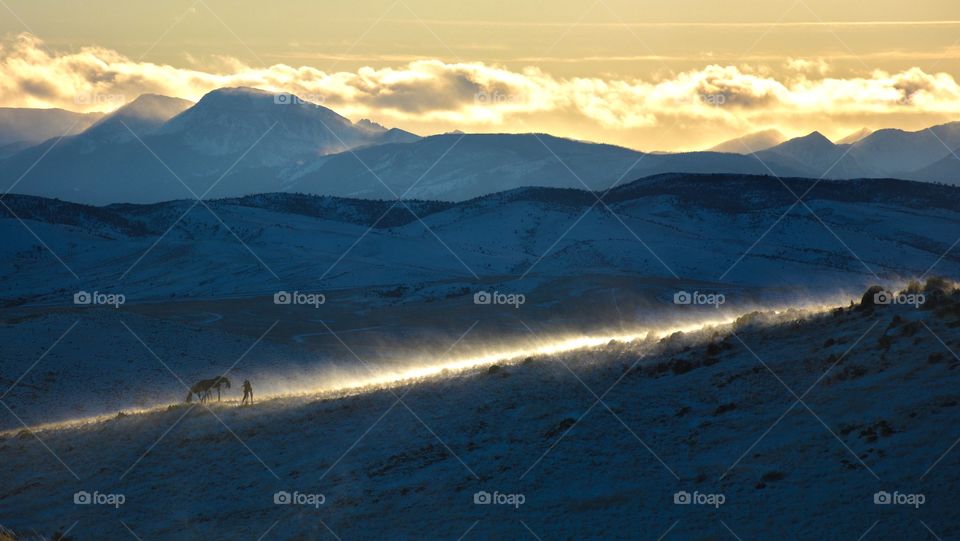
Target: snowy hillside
847, 232
810, 417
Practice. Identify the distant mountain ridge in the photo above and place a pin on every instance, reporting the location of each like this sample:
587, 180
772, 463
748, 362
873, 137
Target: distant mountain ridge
920, 155
32, 126
817, 156
456, 167
754, 142
143, 116
899, 150
237, 142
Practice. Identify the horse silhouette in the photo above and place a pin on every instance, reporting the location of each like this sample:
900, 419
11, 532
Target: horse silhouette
204, 388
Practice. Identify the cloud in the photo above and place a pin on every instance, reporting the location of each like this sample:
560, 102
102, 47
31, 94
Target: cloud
468, 95
809, 67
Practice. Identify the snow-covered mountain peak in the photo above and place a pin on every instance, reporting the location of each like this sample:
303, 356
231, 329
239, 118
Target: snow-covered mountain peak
368, 124
250, 107
812, 140
231, 120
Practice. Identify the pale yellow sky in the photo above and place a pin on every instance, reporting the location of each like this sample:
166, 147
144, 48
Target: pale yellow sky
628, 72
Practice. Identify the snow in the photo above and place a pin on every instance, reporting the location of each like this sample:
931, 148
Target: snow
399, 398
837, 237
400, 469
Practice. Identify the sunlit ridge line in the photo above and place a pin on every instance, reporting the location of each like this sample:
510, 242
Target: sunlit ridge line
432, 370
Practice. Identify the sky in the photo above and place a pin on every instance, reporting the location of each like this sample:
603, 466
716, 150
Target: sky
679, 75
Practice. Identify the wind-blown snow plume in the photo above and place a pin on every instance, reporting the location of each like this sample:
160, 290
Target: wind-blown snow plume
354, 376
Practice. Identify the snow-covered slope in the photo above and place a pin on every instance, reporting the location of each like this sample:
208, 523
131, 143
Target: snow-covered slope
790, 425
586, 399
850, 231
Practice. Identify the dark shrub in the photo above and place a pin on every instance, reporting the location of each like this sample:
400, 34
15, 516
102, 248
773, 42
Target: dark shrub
681, 366
938, 283
867, 301
724, 408
561, 428
769, 477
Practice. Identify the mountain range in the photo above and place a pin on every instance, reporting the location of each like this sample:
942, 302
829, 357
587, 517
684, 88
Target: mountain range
240, 141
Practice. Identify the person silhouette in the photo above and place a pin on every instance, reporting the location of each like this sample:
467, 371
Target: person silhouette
247, 392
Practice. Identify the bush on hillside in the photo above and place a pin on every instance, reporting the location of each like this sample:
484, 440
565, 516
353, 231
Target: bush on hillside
869, 297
